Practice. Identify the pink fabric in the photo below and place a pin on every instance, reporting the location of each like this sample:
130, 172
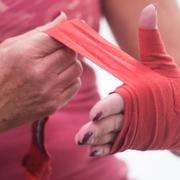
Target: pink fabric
69, 161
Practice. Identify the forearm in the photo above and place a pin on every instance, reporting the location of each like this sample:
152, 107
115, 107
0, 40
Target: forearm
123, 17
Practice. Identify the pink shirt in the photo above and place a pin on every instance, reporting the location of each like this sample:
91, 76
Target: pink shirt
69, 161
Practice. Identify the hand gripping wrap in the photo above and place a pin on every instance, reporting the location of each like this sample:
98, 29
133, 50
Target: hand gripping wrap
151, 89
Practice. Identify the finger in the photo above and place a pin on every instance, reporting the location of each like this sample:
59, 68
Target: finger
152, 48
58, 61
69, 92
62, 17
98, 151
93, 130
50, 45
112, 104
70, 74
150, 41
104, 139
148, 18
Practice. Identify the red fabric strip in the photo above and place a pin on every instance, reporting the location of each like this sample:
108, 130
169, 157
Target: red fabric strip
150, 92
80, 37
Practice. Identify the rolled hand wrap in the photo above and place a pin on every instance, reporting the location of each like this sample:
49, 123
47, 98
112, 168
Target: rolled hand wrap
151, 89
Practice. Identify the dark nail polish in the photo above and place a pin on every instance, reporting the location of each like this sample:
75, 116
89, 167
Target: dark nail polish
98, 116
93, 153
79, 143
86, 138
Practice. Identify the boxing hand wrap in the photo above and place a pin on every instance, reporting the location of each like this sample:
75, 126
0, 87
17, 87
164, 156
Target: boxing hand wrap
151, 89
152, 105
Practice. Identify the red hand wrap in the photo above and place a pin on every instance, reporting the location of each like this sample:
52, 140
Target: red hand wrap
152, 105
151, 91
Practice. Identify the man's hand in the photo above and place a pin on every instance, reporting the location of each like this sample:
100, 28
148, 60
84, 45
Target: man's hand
38, 76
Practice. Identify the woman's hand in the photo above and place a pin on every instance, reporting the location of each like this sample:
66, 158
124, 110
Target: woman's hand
106, 122
107, 115
38, 76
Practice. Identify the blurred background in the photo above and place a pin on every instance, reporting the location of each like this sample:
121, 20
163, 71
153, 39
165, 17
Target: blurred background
150, 165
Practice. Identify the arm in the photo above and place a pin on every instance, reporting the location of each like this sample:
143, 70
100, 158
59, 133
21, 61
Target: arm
124, 25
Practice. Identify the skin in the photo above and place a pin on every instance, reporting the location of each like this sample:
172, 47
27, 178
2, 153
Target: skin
38, 76
108, 112
116, 14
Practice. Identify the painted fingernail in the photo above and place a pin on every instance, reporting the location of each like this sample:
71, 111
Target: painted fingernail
98, 116
79, 143
94, 153
86, 138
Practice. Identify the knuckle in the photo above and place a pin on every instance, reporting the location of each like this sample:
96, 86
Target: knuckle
77, 68
38, 73
65, 54
101, 130
98, 131
70, 52
60, 54
8, 41
96, 140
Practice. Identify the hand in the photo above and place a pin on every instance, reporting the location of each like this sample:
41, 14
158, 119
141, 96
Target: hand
101, 133
106, 121
38, 76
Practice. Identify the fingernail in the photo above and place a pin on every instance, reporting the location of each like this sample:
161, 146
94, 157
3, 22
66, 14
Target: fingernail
85, 138
79, 143
155, 6
94, 153
98, 116
63, 14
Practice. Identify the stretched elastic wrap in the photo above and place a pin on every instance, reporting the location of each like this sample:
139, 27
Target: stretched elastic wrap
151, 89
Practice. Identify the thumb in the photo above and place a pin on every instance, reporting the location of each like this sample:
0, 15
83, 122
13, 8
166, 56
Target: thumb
43, 40
58, 19
152, 48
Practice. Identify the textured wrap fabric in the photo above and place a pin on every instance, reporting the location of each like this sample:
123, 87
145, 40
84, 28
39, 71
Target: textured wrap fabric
151, 87
68, 160
152, 104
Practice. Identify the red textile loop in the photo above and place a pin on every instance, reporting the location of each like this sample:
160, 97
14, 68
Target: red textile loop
151, 89
37, 164
37, 161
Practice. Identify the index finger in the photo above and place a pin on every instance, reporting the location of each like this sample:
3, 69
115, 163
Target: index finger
112, 104
51, 44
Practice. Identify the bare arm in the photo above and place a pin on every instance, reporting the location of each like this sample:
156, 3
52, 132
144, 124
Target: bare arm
123, 17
